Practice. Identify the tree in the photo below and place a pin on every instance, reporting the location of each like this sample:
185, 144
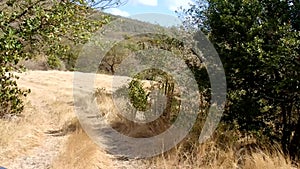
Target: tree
258, 43
31, 27
113, 58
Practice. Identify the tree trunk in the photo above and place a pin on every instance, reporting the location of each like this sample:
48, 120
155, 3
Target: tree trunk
294, 147
287, 109
284, 138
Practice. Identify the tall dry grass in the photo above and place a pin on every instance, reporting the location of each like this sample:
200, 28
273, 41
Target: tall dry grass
210, 156
80, 151
18, 135
189, 154
21, 135
112, 114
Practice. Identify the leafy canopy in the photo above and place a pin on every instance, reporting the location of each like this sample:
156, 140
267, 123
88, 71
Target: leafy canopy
32, 27
258, 42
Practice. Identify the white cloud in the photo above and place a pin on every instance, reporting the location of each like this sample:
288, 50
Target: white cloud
145, 2
119, 12
175, 4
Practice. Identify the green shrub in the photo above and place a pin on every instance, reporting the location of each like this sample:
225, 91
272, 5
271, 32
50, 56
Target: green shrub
10, 95
137, 95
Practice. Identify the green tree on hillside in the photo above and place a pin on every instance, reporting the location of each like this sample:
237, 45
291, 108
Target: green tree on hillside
31, 27
258, 42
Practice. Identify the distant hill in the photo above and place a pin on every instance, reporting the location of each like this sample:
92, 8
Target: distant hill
119, 27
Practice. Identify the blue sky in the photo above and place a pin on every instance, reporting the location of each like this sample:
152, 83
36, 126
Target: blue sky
156, 11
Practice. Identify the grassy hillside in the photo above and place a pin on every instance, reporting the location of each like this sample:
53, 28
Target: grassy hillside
41, 62
48, 135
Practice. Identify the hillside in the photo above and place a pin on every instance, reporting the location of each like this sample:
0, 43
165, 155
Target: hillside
47, 134
118, 28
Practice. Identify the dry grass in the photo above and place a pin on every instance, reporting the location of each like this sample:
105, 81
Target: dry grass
46, 108
81, 153
18, 132
268, 160
112, 114
208, 156
23, 134
190, 154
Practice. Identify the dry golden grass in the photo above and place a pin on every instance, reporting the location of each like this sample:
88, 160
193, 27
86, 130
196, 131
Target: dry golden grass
81, 152
268, 161
123, 125
18, 132
191, 155
47, 107
50, 107
207, 157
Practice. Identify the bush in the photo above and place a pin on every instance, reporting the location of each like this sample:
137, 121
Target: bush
137, 95
10, 95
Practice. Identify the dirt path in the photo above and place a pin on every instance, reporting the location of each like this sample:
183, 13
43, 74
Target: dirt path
49, 106
40, 157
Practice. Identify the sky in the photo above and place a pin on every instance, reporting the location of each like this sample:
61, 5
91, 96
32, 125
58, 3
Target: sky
155, 11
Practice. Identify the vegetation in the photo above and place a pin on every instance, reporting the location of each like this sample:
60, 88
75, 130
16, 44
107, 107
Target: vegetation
29, 28
189, 154
138, 96
258, 43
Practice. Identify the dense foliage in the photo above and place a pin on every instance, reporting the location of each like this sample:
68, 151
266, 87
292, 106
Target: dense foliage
32, 27
138, 96
258, 42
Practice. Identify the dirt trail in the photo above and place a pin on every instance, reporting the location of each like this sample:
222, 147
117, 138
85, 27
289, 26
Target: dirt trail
49, 106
